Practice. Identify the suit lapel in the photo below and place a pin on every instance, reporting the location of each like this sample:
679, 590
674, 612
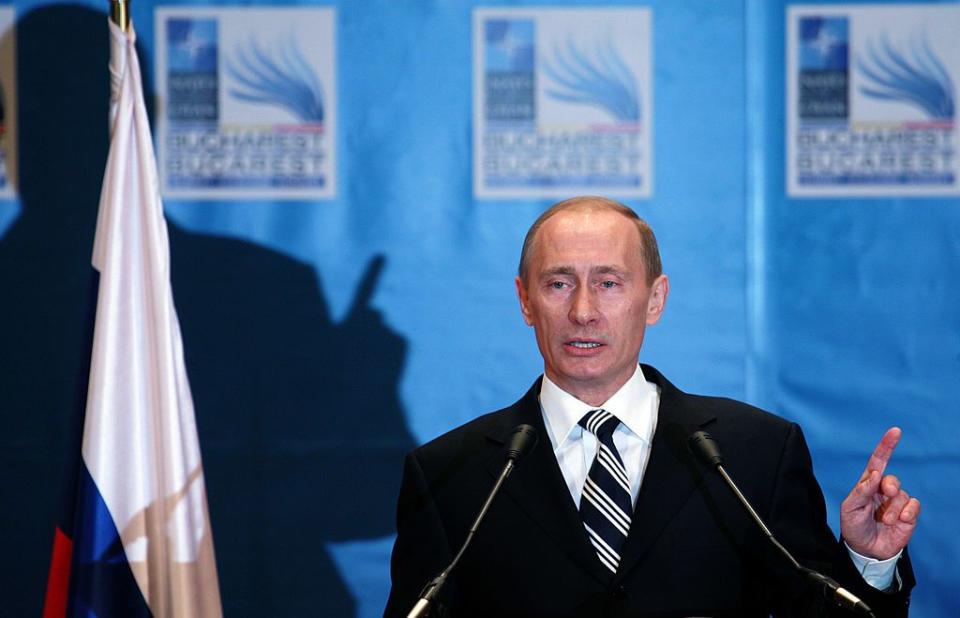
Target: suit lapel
671, 475
538, 488
536, 485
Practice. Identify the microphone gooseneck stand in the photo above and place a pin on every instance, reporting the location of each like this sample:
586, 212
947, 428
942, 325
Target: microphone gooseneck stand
707, 450
523, 439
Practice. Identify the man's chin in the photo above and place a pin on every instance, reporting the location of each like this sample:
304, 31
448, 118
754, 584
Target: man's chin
587, 379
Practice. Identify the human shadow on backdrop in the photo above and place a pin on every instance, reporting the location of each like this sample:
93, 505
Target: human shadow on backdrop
301, 428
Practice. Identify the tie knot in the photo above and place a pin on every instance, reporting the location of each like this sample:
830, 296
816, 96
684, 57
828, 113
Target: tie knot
600, 423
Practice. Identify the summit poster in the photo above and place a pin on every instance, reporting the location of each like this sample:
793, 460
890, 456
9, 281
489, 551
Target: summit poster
562, 102
246, 100
872, 100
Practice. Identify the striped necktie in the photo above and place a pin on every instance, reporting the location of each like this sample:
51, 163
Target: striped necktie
605, 504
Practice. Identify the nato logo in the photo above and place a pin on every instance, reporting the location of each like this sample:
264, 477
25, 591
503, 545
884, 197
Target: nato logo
824, 43
192, 45
282, 78
915, 76
600, 79
192, 80
510, 44
824, 68
509, 78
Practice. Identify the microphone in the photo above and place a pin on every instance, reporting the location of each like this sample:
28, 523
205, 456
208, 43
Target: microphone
522, 441
706, 449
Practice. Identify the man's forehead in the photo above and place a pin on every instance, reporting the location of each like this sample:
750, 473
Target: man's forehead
588, 231
586, 214
586, 238
561, 268
588, 253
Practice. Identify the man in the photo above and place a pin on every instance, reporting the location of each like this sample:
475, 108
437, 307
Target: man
610, 514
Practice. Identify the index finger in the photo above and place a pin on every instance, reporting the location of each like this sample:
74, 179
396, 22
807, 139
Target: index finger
881, 455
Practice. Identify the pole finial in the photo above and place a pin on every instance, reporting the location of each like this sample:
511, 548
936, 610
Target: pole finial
120, 13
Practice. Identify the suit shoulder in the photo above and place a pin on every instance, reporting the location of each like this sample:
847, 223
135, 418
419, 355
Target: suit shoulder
702, 410
734, 411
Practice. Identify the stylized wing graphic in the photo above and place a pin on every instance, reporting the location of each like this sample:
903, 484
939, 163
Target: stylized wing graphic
285, 80
917, 78
603, 81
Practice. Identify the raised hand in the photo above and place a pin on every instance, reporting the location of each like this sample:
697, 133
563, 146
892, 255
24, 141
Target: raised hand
877, 518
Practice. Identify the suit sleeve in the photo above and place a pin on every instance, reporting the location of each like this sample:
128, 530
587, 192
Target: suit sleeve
798, 518
421, 550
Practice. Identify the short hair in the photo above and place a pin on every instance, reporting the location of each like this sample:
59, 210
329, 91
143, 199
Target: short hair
649, 252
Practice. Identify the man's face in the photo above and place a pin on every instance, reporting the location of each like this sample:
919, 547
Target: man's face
588, 300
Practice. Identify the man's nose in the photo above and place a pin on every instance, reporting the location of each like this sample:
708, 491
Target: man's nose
583, 308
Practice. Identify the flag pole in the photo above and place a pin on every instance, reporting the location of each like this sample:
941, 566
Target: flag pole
120, 13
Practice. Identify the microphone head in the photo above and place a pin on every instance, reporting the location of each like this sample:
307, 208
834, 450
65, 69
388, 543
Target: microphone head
522, 440
705, 448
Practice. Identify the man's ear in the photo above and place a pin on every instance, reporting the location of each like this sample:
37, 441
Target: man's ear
524, 301
658, 299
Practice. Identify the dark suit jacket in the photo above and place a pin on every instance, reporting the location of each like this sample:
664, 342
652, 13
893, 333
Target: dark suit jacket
691, 550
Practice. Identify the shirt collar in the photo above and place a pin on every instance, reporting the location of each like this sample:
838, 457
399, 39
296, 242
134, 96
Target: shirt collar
631, 404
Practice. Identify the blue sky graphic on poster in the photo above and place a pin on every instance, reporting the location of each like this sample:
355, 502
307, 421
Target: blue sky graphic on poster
562, 102
248, 102
8, 108
871, 94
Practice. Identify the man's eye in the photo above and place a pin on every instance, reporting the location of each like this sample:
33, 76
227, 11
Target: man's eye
608, 284
558, 285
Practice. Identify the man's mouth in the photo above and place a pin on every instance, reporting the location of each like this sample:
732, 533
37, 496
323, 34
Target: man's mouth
584, 345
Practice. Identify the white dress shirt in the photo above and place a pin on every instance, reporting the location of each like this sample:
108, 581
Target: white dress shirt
636, 405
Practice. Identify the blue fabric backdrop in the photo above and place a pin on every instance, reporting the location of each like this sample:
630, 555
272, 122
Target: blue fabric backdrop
357, 327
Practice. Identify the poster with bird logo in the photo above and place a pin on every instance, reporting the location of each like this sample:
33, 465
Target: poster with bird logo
872, 100
246, 102
562, 102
